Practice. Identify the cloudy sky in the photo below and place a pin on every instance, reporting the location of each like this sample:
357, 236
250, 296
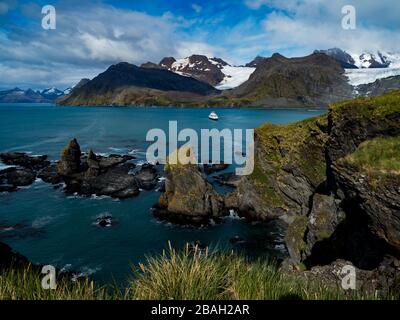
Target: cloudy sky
91, 35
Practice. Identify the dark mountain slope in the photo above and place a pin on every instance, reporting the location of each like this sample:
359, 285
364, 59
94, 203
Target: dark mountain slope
107, 87
315, 80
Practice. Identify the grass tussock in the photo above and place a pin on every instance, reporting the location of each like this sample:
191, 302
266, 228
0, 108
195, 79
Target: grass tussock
191, 275
380, 154
183, 275
26, 284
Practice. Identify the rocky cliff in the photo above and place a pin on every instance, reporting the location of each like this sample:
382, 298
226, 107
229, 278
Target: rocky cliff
334, 179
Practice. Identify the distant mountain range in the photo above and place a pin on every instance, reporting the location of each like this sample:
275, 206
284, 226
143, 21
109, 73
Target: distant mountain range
30, 96
312, 81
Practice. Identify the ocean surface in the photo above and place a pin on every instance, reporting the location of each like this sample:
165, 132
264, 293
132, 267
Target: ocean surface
50, 227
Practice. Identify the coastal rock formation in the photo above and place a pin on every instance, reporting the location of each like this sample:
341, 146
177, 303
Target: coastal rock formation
289, 167
22, 171
70, 160
13, 177
188, 197
92, 174
147, 176
22, 159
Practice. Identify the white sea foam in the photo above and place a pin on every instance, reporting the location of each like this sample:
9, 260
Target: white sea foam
85, 272
42, 221
4, 166
96, 197
233, 215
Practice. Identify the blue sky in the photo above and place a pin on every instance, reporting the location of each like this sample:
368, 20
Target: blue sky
91, 35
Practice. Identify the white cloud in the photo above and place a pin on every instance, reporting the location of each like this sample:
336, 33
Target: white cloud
91, 38
304, 25
197, 8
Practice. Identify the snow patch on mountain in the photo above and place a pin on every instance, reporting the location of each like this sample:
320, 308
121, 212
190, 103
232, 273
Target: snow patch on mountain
364, 76
234, 76
379, 59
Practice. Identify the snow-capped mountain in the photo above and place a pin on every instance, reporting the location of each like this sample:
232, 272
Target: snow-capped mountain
341, 56
51, 93
67, 91
365, 68
364, 60
29, 95
214, 71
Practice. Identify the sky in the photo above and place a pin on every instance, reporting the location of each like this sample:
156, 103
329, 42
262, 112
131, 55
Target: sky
92, 35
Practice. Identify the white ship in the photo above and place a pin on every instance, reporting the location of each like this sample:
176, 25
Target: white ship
213, 116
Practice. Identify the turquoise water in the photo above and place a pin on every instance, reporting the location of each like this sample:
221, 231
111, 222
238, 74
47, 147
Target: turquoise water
52, 228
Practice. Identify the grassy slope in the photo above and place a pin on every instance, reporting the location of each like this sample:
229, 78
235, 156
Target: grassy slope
381, 155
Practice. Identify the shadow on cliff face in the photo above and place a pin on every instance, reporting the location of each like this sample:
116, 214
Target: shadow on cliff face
352, 241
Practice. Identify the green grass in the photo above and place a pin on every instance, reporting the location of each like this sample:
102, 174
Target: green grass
187, 274
375, 108
378, 155
25, 284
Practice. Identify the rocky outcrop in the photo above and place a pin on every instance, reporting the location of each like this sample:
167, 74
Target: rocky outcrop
289, 168
11, 178
188, 197
22, 159
23, 170
147, 176
91, 174
70, 160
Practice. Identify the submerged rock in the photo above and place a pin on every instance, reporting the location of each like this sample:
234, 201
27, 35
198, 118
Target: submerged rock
105, 221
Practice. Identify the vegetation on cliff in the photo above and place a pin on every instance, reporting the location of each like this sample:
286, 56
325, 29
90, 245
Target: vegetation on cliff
380, 155
187, 274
